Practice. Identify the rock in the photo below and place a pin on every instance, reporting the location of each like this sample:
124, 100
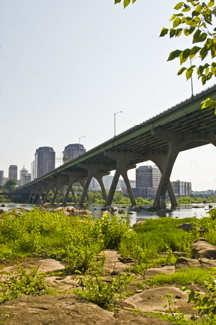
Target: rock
183, 263
202, 249
67, 309
1, 211
153, 300
113, 263
3, 205
186, 226
43, 266
62, 283
207, 263
138, 223
150, 273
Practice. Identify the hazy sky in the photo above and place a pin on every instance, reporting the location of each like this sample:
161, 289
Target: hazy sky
67, 66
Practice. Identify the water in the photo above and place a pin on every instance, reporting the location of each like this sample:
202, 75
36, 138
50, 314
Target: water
184, 211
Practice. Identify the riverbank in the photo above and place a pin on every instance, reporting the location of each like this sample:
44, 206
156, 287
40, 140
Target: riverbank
117, 267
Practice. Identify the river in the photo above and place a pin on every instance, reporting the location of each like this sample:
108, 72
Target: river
135, 215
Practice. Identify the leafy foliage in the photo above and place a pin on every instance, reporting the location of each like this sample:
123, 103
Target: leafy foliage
196, 20
205, 302
100, 292
23, 283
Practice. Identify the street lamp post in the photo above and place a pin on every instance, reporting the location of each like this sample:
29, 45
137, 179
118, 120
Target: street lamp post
115, 122
79, 142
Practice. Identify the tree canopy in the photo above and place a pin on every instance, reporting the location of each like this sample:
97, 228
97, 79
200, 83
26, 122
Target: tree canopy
195, 19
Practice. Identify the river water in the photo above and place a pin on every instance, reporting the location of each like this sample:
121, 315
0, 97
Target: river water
135, 215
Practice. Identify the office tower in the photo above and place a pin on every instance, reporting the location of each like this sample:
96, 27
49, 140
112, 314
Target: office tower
23, 173
12, 172
44, 161
1, 177
181, 188
147, 180
72, 151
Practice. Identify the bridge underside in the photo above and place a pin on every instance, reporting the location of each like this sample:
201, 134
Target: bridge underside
159, 139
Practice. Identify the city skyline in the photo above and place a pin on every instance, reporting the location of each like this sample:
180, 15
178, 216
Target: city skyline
68, 76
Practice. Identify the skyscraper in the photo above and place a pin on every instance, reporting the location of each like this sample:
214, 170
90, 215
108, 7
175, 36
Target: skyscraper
181, 188
1, 177
12, 172
72, 151
23, 173
147, 180
44, 161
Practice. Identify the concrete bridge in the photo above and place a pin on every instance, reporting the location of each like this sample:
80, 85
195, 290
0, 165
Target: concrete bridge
159, 139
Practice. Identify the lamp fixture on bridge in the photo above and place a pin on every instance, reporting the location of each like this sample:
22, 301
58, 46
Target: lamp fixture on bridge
79, 142
115, 122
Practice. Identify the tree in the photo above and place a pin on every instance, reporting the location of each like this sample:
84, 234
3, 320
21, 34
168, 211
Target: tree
10, 185
194, 19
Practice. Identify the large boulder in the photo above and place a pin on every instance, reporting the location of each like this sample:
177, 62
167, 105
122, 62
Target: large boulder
202, 249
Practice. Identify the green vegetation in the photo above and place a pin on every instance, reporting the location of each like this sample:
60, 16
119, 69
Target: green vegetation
77, 242
21, 284
102, 293
194, 19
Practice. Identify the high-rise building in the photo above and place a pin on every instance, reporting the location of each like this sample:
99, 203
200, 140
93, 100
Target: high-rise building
12, 172
23, 173
147, 181
1, 177
44, 161
181, 188
72, 151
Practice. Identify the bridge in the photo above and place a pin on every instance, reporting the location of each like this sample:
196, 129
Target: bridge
159, 139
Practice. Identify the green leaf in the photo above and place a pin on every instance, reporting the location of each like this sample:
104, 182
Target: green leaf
203, 53
174, 54
181, 71
194, 51
186, 8
126, 3
211, 3
117, 1
189, 31
172, 32
163, 32
189, 73
176, 22
199, 37
178, 5
184, 55
206, 103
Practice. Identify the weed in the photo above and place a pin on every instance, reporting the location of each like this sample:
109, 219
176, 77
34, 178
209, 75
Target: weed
22, 283
102, 293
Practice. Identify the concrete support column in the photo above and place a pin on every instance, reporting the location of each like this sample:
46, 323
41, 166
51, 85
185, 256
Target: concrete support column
69, 189
123, 165
160, 161
97, 171
30, 196
99, 178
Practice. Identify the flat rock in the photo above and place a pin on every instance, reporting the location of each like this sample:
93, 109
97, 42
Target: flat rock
183, 263
113, 262
42, 266
67, 309
151, 272
153, 300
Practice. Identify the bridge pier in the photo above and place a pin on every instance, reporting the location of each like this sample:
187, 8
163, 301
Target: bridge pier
123, 165
176, 140
97, 171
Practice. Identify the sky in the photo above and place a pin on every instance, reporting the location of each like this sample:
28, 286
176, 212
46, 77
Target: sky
66, 67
